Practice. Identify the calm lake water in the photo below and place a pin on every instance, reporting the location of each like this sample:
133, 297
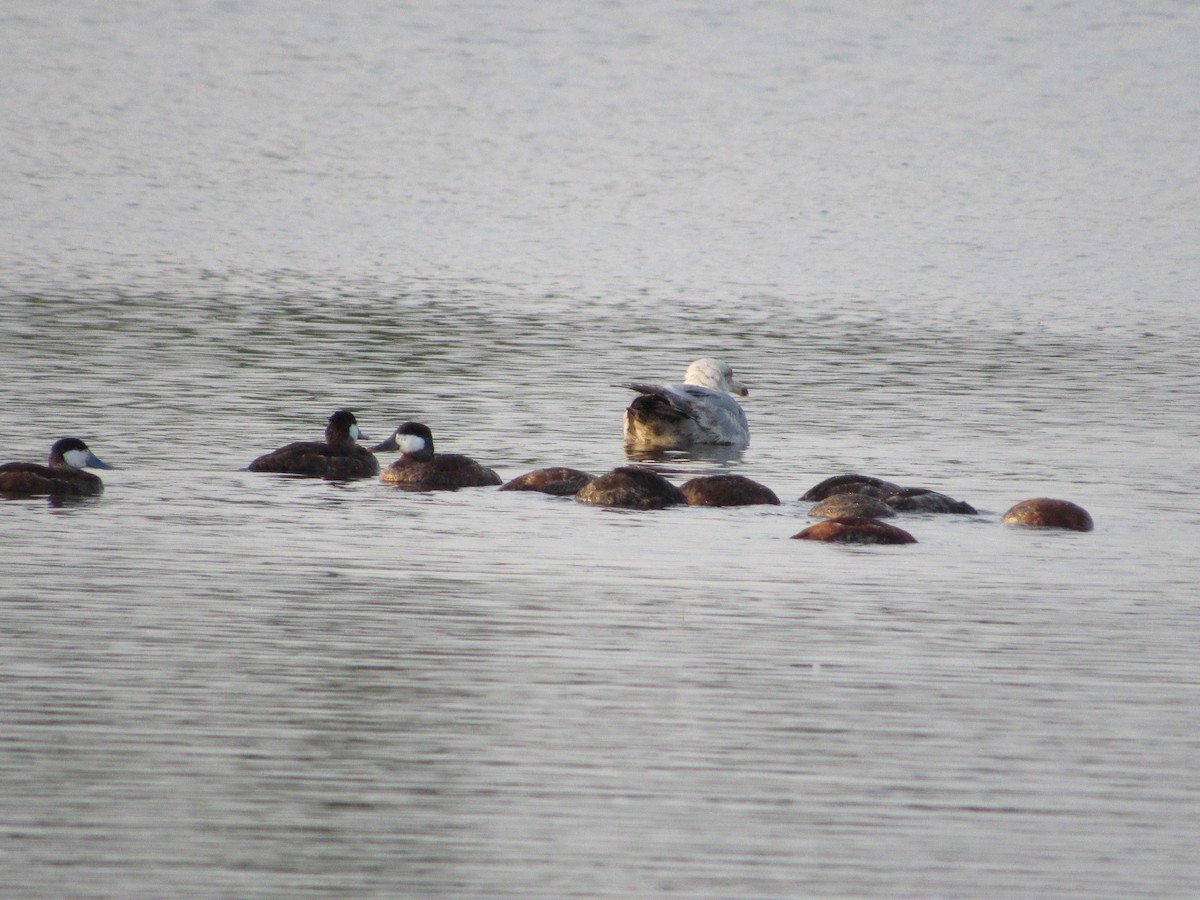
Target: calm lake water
950, 245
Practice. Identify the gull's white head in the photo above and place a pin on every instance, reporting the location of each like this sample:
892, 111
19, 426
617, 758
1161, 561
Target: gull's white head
715, 374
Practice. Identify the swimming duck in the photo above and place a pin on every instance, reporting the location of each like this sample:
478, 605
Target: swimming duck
851, 483
702, 410
420, 469
855, 530
727, 490
1044, 512
338, 457
631, 487
899, 498
64, 476
561, 481
925, 500
859, 506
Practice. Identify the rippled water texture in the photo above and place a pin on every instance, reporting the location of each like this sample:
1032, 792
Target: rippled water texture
949, 246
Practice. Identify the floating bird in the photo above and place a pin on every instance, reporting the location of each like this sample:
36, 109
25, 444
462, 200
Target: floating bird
631, 487
64, 476
854, 530
925, 500
860, 506
899, 498
1042, 512
727, 490
702, 410
852, 483
421, 469
338, 457
558, 480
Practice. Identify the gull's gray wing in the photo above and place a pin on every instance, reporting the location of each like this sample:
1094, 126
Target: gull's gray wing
718, 417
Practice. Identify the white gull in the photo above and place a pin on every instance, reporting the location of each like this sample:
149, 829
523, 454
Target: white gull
702, 410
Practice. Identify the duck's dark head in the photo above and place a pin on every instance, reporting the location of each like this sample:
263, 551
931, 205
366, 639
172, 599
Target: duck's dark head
75, 453
412, 439
343, 428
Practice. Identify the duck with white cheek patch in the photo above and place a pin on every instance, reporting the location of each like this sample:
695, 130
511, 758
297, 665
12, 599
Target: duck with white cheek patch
420, 468
64, 476
339, 457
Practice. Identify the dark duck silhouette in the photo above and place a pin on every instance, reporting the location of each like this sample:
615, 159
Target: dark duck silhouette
561, 481
421, 469
859, 506
338, 457
855, 530
1045, 512
63, 477
900, 499
631, 487
727, 490
851, 483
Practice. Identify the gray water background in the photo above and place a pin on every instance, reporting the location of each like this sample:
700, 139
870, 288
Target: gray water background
949, 244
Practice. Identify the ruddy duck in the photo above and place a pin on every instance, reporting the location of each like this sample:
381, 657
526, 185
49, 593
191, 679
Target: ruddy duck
1042, 512
854, 530
420, 469
699, 411
727, 490
859, 506
631, 487
64, 476
558, 480
899, 498
339, 457
852, 483
925, 500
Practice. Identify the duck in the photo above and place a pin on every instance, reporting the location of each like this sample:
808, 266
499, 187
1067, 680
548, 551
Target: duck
421, 469
850, 483
631, 487
924, 500
560, 481
900, 499
338, 457
727, 490
700, 411
63, 476
861, 506
854, 530
1046, 512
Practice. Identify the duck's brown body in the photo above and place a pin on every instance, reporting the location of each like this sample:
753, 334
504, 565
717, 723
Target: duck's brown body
31, 478
631, 487
421, 469
62, 477
337, 458
853, 530
727, 490
560, 481
1044, 512
445, 472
